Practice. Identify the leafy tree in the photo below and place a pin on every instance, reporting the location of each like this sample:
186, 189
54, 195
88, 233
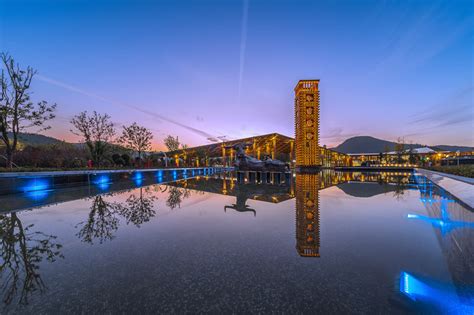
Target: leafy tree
400, 149
17, 111
386, 149
172, 143
126, 159
117, 158
136, 138
96, 131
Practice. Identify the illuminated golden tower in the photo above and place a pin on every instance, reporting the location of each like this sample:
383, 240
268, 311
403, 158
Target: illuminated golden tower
307, 214
307, 125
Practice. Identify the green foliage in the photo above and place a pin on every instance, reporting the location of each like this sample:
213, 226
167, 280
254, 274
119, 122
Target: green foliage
137, 138
126, 159
461, 170
96, 131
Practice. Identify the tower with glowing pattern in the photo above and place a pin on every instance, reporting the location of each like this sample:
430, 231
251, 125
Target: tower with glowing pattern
307, 214
307, 125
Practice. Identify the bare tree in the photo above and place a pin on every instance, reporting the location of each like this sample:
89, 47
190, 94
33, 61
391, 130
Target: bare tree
97, 132
136, 138
172, 143
17, 111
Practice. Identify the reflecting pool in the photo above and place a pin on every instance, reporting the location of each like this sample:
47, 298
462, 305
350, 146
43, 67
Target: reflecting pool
318, 243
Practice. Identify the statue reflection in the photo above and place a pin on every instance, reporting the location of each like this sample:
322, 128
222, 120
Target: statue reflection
240, 205
22, 251
104, 216
307, 214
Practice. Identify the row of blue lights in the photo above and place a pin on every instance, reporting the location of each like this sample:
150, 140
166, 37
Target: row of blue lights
39, 188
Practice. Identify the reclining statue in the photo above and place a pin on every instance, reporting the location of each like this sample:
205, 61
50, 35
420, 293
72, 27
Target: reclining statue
244, 162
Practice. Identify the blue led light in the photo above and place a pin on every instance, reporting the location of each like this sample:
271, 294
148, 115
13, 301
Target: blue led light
37, 195
37, 188
102, 181
36, 184
442, 297
138, 178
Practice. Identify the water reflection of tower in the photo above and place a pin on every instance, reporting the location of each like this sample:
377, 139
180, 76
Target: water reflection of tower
307, 214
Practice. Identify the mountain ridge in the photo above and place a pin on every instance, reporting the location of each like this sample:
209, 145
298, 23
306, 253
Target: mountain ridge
369, 144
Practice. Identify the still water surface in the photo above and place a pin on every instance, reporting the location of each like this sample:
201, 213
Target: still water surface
333, 242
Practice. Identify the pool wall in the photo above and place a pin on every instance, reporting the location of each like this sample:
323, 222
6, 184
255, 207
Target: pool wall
14, 183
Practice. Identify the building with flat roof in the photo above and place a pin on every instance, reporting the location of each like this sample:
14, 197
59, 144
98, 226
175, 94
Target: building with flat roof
273, 145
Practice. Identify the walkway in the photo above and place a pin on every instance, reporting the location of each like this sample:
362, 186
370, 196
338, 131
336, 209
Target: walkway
460, 187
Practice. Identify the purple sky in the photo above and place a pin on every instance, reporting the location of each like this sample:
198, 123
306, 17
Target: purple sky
200, 69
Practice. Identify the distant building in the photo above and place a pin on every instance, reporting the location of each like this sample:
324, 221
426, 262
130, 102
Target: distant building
273, 145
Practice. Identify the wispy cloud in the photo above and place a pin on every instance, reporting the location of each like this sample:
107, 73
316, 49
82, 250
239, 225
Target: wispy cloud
416, 45
454, 110
243, 44
69, 87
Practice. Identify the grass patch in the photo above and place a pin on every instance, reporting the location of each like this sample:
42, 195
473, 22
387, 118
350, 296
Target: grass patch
47, 169
461, 170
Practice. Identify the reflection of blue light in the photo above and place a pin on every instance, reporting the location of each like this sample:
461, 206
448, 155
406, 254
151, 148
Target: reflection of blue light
442, 297
192, 172
38, 194
36, 185
37, 189
138, 178
159, 176
175, 174
445, 224
103, 182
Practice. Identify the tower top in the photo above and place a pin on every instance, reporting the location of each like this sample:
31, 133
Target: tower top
308, 85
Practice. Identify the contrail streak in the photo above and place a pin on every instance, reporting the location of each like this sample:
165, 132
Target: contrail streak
243, 43
202, 133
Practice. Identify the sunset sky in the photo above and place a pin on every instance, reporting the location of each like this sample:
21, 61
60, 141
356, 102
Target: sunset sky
201, 69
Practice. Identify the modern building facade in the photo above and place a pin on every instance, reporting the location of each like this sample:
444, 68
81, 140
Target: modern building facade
307, 214
274, 145
307, 124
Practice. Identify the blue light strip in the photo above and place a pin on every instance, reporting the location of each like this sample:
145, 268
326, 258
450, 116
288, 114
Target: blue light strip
442, 297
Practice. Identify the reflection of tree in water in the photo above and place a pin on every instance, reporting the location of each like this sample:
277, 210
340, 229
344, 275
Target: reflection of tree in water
104, 216
400, 188
176, 196
22, 251
102, 221
138, 210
